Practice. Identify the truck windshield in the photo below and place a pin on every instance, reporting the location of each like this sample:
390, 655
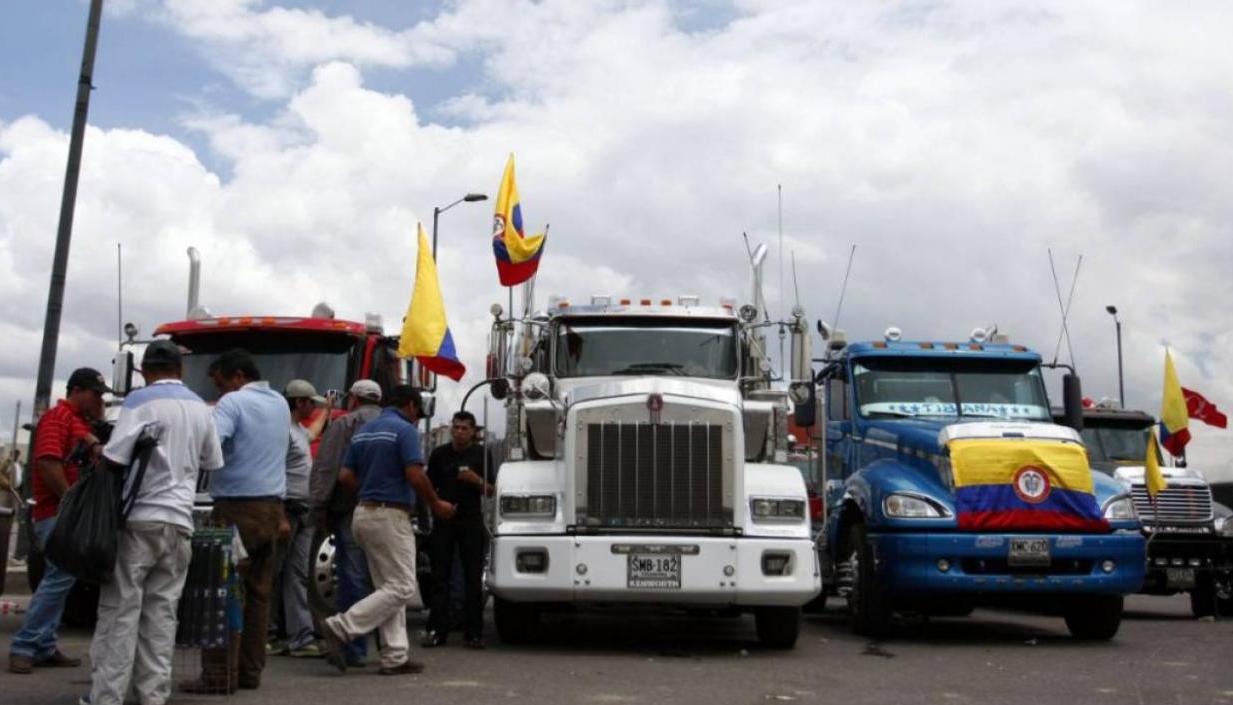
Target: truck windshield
1116, 444
321, 359
645, 346
932, 387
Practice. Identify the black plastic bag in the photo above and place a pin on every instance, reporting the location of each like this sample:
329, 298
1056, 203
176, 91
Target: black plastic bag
86, 538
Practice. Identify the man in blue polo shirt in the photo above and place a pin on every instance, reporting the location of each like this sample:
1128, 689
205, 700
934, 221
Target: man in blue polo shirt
248, 492
386, 460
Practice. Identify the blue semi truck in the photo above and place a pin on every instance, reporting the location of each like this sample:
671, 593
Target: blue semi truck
947, 485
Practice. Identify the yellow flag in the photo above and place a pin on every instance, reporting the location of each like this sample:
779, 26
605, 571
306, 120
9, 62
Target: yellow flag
1152, 476
425, 332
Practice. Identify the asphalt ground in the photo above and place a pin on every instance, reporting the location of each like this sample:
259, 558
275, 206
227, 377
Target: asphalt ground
1161, 655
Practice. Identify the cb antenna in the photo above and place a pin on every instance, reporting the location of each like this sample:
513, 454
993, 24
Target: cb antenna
843, 290
779, 193
796, 289
1064, 309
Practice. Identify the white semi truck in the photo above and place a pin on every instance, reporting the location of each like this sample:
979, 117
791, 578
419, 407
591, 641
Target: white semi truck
645, 465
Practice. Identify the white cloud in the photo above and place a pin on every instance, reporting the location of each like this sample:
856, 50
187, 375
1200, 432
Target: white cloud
953, 143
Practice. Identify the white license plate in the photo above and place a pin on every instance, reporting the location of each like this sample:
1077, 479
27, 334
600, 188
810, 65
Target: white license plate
655, 571
1180, 577
1028, 552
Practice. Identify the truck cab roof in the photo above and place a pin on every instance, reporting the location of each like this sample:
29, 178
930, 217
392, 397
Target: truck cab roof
940, 349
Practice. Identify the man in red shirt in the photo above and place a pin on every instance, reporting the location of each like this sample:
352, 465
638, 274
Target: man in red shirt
62, 432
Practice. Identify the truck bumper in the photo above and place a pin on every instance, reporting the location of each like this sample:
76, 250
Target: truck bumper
1178, 562
977, 563
595, 569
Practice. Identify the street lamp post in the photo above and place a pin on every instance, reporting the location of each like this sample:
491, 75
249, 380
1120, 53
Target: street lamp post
1121, 388
437, 211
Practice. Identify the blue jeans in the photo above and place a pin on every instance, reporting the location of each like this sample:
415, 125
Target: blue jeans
354, 584
37, 638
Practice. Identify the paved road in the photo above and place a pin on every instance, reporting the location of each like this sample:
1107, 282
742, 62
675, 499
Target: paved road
1160, 656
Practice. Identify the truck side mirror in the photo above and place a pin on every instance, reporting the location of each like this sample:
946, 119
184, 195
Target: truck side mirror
805, 413
1072, 401
122, 373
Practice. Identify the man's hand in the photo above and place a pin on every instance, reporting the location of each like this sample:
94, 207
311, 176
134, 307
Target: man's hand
284, 527
443, 509
469, 476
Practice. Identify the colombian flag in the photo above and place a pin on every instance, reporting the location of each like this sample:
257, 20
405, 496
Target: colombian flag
1152, 477
517, 255
1174, 431
425, 333
1023, 485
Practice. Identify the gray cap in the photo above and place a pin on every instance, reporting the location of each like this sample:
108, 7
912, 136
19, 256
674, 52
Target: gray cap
366, 389
302, 389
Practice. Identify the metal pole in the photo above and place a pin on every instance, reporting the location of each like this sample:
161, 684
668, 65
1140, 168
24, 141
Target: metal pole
436, 215
55, 294
1121, 387
119, 296
16, 425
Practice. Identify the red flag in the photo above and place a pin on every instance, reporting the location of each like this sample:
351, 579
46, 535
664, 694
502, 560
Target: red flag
1197, 407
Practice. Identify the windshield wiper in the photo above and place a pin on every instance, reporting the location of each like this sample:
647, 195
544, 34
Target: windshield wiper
642, 368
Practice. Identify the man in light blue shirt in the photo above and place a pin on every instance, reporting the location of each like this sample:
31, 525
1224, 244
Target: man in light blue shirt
248, 491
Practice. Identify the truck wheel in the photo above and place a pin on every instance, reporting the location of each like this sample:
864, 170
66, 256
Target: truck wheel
322, 575
778, 627
817, 605
516, 622
869, 607
1203, 599
1094, 617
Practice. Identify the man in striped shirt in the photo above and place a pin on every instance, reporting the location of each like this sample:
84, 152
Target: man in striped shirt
385, 459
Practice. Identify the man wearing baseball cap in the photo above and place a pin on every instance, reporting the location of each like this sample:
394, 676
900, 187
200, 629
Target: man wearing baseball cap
334, 505
306, 425
62, 430
134, 640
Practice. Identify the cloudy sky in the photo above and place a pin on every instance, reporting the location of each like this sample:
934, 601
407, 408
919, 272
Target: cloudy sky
296, 144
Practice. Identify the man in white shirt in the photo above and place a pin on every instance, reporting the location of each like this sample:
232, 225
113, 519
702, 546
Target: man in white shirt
135, 635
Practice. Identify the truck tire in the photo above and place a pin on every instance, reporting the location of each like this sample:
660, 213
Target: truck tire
1094, 617
1203, 598
517, 622
869, 609
817, 605
778, 627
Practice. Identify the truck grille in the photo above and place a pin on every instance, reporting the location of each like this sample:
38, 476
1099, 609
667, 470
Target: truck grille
1187, 503
655, 475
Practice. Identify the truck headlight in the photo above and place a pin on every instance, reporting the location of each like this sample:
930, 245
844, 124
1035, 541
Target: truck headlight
770, 509
1120, 508
535, 505
909, 506
1224, 526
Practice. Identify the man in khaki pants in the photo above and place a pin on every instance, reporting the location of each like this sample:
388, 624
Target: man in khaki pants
135, 637
386, 461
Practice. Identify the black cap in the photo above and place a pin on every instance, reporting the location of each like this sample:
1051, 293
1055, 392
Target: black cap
400, 394
161, 353
88, 378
